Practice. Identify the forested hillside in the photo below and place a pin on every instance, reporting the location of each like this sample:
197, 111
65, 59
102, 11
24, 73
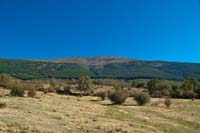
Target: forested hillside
103, 67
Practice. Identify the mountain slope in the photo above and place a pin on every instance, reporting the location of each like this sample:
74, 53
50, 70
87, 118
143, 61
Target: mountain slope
99, 67
92, 61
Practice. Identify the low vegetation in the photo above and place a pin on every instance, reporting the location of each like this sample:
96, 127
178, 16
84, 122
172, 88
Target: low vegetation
119, 96
189, 89
85, 85
102, 94
58, 102
2, 105
60, 113
142, 98
168, 102
32, 92
17, 90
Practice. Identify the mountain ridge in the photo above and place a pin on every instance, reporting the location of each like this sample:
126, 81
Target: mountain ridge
91, 61
99, 67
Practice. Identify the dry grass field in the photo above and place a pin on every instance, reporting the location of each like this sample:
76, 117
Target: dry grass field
53, 113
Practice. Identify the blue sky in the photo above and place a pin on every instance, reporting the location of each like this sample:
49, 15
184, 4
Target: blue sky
143, 29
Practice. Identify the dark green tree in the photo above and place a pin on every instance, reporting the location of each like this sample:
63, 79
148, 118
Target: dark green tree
190, 84
152, 85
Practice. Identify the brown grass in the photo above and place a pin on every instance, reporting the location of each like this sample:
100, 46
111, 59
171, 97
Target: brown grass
54, 113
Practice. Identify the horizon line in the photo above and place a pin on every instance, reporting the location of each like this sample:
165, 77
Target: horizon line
131, 58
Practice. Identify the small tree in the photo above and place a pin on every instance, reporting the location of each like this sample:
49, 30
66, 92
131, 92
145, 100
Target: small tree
140, 84
152, 85
134, 83
142, 98
168, 102
119, 96
176, 91
190, 84
85, 84
189, 87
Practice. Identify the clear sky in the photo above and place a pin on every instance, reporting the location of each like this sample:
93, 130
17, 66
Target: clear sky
142, 29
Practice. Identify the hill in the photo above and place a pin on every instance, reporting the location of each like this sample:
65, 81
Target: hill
99, 67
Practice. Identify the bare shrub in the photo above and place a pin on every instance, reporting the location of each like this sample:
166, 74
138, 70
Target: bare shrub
2, 105
32, 92
168, 102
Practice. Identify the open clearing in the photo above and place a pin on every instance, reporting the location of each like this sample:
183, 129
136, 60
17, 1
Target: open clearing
53, 113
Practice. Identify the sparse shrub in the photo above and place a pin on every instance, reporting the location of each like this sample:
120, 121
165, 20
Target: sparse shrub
134, 84
51, 90
67, 90
142, 98
118, 86
189, 94
159, 88
152, 85
85, 85
176, 91
6, 81
2, 105
140, 85
31, 92
44, 90
52, 83
17, 90
119, 96
165, 92
157, 94
168, 102
103, 95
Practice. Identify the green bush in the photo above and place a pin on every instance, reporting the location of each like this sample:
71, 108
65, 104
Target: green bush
142, 98
176, 91
17, 90
140, 85
119, 96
